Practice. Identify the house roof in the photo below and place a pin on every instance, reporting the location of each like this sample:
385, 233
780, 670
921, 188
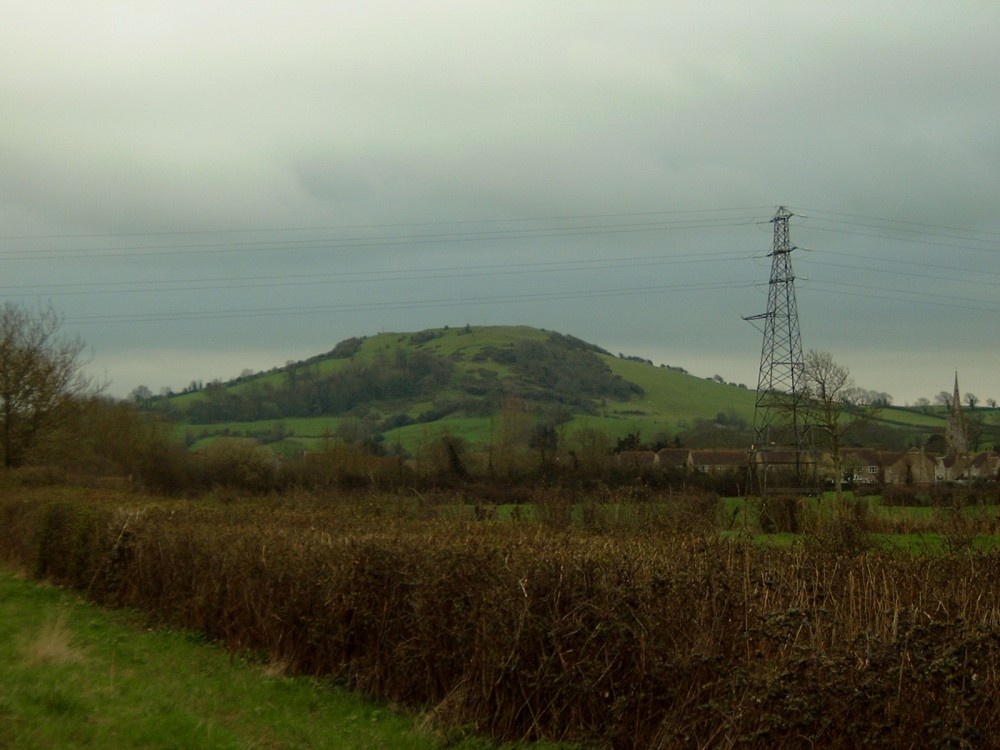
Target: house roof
862, 455
635, 458
673, 456
787, 457
912, 457
984, 459
719, 457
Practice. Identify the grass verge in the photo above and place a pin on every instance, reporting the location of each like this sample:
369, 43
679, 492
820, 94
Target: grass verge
75, 675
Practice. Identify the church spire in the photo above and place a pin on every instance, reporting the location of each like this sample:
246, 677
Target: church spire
958, 441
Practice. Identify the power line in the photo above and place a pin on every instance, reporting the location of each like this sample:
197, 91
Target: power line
899, 295
904, 226
405, 304
912, 274
699, 219
353, 242
803, 213
443, 272
407, 274
909, 263
383, 225
994, 246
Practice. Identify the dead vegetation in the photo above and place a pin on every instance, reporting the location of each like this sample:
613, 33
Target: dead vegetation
627, 631
52, 645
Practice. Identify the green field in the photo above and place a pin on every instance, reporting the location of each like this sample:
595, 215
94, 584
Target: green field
77, 676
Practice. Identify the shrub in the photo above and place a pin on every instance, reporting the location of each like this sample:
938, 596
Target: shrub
239, 463
553, 507
901, 495
779, 513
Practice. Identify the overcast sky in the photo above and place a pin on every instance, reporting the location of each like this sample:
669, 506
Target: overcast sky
205, 187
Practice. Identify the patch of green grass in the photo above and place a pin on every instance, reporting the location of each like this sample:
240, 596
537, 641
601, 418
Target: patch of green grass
314, 427
669, 392
912, 417
74, 676
935, 544
476, 431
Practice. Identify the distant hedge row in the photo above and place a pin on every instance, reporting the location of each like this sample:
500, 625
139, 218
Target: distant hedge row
640, 638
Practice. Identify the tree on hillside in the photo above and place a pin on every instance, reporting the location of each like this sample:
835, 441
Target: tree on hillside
508, 453
944, 399
834, 405
880, 399
974, 429
589, 451
141, 396
41, 375
544, 439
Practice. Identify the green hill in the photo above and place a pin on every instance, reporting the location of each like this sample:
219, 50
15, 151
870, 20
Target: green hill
399, 388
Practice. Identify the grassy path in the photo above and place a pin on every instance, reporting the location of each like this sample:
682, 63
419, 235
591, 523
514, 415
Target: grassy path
73, 676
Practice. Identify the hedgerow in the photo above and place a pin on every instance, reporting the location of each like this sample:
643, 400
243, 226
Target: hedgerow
643, 636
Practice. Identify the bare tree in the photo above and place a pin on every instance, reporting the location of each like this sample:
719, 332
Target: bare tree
943, 398
834, 405
880, 399
41, 374
140, 395
971, 399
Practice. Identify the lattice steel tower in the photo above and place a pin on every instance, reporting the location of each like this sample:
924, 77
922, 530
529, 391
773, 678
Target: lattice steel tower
781, 435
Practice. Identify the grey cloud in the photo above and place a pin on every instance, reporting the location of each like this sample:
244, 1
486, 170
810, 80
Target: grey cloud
205, 121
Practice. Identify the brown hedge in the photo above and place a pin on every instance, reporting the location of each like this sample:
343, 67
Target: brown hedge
633, 639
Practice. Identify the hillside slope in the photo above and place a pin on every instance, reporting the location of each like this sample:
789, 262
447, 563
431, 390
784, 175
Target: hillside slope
399, 386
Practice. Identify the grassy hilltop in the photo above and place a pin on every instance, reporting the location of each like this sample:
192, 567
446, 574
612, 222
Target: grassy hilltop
402, 385
401, 388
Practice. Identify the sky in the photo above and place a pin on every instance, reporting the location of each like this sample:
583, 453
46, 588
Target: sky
203, 188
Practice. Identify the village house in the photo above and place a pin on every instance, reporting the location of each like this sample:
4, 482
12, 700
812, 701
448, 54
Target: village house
985, 466
958, 464
950, 468
967, 467
674, 458
719, 461
913, 467
862, 466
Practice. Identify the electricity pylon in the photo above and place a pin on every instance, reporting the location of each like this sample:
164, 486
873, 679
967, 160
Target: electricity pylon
780, 432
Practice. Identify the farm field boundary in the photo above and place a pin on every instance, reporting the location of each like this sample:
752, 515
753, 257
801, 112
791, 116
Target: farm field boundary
75, 675
659, 635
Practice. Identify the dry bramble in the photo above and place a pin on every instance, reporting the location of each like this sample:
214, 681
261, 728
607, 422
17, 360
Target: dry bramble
626, 639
